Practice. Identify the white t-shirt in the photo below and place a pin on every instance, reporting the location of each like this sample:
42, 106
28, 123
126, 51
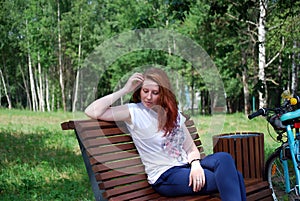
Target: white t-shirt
158, 153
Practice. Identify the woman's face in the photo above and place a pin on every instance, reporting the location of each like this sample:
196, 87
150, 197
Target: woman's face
149, 93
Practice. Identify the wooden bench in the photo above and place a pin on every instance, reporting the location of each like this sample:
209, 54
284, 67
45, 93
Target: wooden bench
116, 171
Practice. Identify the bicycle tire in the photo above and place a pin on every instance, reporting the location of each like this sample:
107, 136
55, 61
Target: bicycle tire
275, 176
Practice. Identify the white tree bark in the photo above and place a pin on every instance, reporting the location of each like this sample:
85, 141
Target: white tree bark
31, 76
40, 88
47, 94
61, 80
5, 90
294, 82
53, 98
32, 84
75, 96
262, 52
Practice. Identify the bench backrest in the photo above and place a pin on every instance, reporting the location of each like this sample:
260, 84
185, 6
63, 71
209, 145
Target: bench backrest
112, 161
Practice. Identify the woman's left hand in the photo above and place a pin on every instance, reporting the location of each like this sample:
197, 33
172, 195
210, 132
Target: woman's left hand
197, 176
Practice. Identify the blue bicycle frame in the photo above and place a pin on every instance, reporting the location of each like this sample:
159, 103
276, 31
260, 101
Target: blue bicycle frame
293, 145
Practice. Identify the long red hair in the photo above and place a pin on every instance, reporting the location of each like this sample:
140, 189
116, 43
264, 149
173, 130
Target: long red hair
167, 108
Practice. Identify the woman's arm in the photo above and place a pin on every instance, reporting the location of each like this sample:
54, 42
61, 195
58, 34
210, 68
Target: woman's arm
189, 146
197, 177
101, 108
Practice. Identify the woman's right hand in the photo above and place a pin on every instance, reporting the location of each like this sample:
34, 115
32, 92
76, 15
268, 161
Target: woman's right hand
102, 109
133, 82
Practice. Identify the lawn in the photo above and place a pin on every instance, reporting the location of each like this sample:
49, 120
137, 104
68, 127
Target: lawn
39, 161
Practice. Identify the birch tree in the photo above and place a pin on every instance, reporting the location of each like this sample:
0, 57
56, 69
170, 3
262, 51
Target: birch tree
30, 71
295, 69
263, 93
5, 90
60, 65
40, 85
79, 55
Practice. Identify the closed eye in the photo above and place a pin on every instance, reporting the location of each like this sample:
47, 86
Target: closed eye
155, 92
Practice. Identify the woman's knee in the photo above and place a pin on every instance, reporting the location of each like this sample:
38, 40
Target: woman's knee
224, 157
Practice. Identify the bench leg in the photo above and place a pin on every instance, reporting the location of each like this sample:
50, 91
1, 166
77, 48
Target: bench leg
97, 193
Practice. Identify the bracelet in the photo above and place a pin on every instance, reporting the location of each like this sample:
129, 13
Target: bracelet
196, 159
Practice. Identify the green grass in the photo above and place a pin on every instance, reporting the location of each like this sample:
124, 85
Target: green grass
39, 161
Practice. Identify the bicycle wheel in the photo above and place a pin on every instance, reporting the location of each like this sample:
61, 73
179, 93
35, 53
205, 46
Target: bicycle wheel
275, 176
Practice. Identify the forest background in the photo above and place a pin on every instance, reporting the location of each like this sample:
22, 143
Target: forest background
44, 44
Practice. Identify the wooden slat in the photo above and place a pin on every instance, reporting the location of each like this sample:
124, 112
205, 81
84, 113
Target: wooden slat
100, 132
189, 123
255, 185
259, 191
246, 158
123, 180
126, 189
98, 168
190, 198
195, 137
106, 141
91, 134
67, 125
138, 195
251, 157
262, 158
111, 148
120, 173
263, 195
85, 125
192, 129
258, 156
113, 157
149, 195
225, 145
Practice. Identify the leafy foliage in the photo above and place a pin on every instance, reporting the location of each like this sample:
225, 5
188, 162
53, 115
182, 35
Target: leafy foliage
227, 30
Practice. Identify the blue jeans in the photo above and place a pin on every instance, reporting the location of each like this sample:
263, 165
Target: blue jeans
221, 176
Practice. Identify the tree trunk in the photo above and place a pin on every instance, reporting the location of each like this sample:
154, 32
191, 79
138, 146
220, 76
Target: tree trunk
31, 76
4, 85
29, 104
294, 84
47, 94
53, 98
75, 96
5, 90
245, 83
279, 76
193, 91
40, 88
61, 80
32, 83
263, 96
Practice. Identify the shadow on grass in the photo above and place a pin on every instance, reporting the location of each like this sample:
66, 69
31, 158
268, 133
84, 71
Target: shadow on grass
41, 165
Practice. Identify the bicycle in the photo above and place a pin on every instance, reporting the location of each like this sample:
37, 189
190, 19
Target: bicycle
282, 168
